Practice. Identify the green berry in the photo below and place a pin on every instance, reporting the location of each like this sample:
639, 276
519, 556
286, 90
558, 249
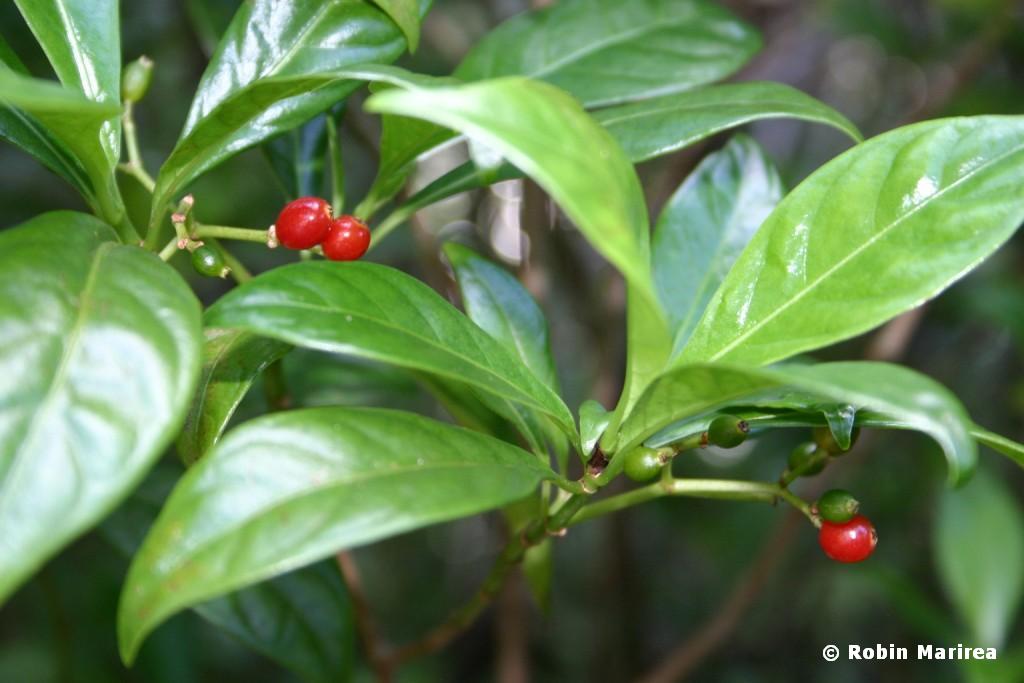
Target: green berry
208, 261
643, 463
826, 442
802, 455
837, 506
727, 431
135, 79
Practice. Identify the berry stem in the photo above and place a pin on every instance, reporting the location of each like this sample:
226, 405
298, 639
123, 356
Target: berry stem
225, 232
134, 167
718, 489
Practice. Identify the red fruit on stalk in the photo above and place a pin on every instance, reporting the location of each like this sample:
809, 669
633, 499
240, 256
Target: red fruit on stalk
851, 541
303, 223
347, 239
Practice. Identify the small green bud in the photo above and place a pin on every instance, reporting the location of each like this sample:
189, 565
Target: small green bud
135, 79
802, 455
837, 506
727, 431
208, 261
643, 463
826, 442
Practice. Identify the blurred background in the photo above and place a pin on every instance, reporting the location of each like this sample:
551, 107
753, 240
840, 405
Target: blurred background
673, 590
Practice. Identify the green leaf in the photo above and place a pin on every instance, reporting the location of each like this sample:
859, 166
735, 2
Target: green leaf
873, 233
232, 360
82, 40
979, 553
706, 224
660, 126
376, 312
999, 443
72, 120
302, 620
667, 124
608, 51
498, 303
406, 14
100, 349
288, 489
907, 399
594, 419
544, 132
297, 158
24, 131
262, 81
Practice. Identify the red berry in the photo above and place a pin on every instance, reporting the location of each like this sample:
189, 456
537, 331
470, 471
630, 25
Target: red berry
303, 223
347, 239
851, 541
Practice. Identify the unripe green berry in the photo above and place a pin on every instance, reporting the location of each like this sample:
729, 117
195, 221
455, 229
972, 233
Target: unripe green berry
802, 455
727, 431
837, 506
135, 79
643, 463
826, 442
208, 261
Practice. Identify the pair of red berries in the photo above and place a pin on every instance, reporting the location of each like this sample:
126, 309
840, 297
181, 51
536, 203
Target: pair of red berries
307, 222
845, 536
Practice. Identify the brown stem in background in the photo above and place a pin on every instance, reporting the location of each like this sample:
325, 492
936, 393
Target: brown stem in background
382, 669
692, 651
512, 632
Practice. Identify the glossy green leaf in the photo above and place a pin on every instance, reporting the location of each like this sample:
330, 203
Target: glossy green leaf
288, 489
24, 131
100, 357
544, 132
667, 124
498, 303
376, 312
302, 620
907, 399
873, 233
706, 224
999, 443
72, 120
979, 553
405, 13
263, 81
232, 360
297, 158
82, 40
608, 51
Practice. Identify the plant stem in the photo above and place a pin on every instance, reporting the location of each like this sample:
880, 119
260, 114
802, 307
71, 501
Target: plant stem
169, 250
337, 168
135, 166
510, 556
204, 231
719, 489
363, 616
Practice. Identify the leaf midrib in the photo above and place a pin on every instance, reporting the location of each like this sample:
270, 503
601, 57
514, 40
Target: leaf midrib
268, 510
426, 340
854, 253
71, 349
610, 41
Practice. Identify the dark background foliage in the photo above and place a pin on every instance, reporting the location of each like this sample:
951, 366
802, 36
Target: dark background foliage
731, 591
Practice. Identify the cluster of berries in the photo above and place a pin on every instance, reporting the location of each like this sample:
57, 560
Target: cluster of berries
308, 222
844, 535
